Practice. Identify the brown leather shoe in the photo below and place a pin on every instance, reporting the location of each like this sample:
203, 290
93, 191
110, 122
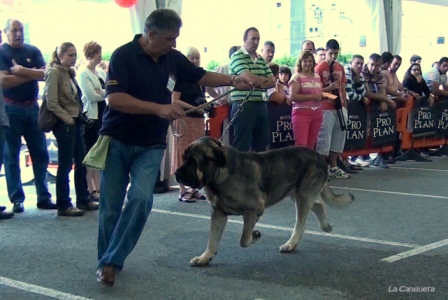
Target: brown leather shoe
90, 205
71, 212
106, 275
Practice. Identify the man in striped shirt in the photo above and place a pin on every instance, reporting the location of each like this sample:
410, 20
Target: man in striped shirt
251, 124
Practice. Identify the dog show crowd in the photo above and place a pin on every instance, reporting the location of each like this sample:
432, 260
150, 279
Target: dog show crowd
147, 86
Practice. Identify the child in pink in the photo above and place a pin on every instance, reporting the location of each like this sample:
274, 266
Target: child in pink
305, 89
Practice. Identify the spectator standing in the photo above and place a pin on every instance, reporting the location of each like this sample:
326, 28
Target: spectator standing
305, 95
21, 67
187, 96
268, 51
64, 100
331, 137
251, 125
436, 78
92, 81
319, 56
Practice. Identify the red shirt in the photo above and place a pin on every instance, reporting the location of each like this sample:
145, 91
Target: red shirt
323, 69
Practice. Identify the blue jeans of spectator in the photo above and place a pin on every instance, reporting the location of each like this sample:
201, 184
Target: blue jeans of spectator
120, 229
70, 148
23, 122
251, 126
2, 143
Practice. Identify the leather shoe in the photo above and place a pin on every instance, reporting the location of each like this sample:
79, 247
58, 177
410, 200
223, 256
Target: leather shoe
46, 204
5, 215
2, 208
89, 205
18, 207
106, 275
71, 212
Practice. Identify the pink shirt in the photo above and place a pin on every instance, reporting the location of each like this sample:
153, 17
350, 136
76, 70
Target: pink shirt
307, 86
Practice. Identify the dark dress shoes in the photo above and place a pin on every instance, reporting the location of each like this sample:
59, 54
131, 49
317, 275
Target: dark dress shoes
106, 275
2, 208
71, 212
5, 215
89, 205
46, 204
18, 207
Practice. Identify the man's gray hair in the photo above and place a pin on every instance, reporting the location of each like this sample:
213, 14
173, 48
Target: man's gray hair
163, 20
8, 24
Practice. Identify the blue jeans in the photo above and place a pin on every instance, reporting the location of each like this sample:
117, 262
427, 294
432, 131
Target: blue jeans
2, 143
70, 148
23, 122
120, 229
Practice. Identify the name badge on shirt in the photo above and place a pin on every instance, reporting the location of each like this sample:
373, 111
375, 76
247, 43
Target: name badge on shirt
171, 83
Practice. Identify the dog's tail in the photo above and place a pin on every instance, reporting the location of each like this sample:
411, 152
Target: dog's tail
335, 200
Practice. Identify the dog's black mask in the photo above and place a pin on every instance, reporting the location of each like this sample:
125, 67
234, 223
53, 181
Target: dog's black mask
202, 159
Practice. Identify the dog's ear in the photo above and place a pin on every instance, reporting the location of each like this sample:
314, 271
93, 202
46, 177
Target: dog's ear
220, 158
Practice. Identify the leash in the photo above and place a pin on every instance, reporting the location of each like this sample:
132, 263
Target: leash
182, 124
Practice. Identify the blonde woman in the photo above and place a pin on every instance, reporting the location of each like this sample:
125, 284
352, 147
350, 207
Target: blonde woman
188, 96
92, 83
64, 100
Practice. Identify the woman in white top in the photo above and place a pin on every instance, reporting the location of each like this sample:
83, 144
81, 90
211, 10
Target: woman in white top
92, 83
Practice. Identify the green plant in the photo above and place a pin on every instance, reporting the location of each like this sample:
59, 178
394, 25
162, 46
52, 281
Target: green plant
286, 60
212, 65
345, 58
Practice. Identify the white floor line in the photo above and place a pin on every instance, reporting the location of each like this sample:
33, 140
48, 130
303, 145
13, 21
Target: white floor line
340, 236
39, 289
415, 251
421, 169
390, 192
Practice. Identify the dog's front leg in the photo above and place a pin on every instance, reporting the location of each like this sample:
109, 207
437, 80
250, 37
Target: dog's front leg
218, 223
250, 235
303, 206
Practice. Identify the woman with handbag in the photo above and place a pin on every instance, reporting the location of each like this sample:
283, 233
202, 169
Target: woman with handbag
92, 83
63, 97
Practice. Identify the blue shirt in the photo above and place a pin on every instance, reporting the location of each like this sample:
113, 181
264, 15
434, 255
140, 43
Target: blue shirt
134, 72
27, 56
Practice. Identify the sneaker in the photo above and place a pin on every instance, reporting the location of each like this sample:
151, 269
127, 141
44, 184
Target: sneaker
337, 173
361, 162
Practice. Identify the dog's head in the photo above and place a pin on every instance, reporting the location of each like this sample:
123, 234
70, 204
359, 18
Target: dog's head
202, 160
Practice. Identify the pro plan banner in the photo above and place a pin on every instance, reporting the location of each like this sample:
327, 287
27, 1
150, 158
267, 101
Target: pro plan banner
356, 133
382, 126
422, 119
281, 134
441, 118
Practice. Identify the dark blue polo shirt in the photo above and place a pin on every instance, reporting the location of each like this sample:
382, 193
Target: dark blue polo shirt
133, 71
27, 56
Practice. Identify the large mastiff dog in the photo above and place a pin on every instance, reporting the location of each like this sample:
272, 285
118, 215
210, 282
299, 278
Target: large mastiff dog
245, 183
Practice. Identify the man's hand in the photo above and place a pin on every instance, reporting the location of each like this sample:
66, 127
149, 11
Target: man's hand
334, 85
241, 83
171, 112
414, 94
16, 69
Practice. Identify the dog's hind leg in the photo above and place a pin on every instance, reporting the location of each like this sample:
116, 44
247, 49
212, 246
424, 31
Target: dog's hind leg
304, 202
218, 223
250, 235
318, 210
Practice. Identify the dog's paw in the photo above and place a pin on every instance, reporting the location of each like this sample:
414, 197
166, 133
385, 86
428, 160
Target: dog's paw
200, 261
327, 228
287, 248
256, 235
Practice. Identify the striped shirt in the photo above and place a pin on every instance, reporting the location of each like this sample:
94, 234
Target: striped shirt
356, 91
242, 61
307, 86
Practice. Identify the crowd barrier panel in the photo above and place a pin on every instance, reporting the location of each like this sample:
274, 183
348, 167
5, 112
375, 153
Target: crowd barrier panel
422, 126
